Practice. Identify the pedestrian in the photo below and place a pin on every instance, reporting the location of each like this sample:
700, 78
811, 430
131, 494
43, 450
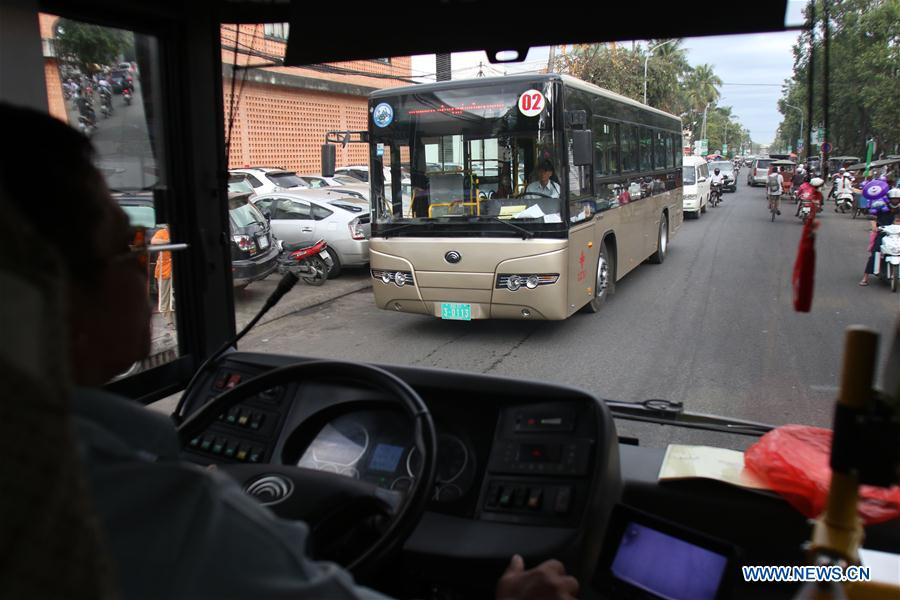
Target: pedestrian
163, 274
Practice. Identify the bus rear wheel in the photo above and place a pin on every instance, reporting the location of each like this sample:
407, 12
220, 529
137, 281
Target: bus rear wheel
605, 278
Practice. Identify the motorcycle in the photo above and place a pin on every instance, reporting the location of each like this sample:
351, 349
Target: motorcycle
808, 207
105, 103
309, 262
86, 125
715, 194
889, 265
126, 96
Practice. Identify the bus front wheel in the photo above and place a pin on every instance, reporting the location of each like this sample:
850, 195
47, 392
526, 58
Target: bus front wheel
605, 278
662, 241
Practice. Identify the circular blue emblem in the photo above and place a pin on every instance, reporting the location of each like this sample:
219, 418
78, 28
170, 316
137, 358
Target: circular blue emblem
383, 115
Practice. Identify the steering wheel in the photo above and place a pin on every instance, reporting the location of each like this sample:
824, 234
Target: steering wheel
331, 504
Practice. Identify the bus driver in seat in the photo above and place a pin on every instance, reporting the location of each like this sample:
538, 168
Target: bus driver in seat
543, 185
172, 529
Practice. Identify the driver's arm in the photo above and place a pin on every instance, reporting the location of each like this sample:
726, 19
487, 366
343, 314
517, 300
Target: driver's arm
176, 530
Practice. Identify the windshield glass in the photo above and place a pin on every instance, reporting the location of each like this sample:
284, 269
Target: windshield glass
470, 153
246, 214
140, 216
724, 167
239, 185
286, 180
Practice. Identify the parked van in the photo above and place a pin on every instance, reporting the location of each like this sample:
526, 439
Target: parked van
696, 185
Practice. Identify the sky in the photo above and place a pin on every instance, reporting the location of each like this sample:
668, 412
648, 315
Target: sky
763, 60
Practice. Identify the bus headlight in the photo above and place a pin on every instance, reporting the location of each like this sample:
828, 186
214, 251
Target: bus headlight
530, 281
398, 278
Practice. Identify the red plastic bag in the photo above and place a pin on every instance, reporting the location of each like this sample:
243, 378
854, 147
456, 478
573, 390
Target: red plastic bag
794, 461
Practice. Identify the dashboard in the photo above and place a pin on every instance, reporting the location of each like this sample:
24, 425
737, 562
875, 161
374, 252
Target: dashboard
522, 467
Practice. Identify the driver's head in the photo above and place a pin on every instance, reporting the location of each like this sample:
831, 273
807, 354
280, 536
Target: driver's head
717, 170
545, 170
107, 295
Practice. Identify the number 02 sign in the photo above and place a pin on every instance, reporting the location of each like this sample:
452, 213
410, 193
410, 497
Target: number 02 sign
531, 103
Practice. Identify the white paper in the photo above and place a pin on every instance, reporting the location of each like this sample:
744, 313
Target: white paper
532, 212
721, 464
554, 218
579, 217
885, 567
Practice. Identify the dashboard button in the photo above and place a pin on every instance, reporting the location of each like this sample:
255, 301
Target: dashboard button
241, 454
563, 500
218, 446
243, 419
206, 443
257, 420
519, 497
255, 455
505, 497
195, 442
233, 380
493, 495
230, 450
534, 498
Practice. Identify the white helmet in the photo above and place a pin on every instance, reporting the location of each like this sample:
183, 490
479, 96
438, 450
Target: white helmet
816, 182
894, 193
843, 169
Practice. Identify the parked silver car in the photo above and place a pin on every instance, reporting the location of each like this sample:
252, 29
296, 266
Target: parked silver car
309, 215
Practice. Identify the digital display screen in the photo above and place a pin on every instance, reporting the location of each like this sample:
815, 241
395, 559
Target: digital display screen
386, 457
667, 566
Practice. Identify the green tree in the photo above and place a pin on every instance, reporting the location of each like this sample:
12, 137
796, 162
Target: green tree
88, 46
864, 68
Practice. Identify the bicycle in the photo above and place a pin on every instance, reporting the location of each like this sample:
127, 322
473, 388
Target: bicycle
773, 205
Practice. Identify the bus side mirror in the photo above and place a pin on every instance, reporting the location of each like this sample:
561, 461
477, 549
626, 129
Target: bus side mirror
329, 158
582, 147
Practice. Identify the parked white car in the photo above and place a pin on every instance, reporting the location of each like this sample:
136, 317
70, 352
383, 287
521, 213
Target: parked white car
309, 215
695, 173
268, 179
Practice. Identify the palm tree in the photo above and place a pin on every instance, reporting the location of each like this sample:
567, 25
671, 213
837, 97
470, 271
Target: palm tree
703, 86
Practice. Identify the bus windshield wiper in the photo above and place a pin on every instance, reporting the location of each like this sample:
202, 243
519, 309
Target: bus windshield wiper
666, 412
525, 233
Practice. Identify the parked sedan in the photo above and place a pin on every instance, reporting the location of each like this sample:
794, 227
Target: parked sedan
254, 254
305, 216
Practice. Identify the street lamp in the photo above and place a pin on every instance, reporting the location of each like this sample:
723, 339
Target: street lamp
801, 122
649, 53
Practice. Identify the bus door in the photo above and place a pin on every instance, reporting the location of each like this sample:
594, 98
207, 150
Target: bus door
584, 245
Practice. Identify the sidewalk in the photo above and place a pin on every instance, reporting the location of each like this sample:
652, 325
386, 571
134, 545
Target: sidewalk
247, 302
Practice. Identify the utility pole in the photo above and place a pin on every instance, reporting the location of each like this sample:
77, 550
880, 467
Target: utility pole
646, 59
550, 60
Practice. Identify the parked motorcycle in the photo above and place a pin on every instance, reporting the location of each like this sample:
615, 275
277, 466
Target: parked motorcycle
311, 263
86, 125
889, 265
126, 96
106, 108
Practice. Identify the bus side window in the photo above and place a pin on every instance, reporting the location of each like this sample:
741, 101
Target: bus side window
629, 146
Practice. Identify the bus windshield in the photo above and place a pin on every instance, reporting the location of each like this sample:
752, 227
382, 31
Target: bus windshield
473, 154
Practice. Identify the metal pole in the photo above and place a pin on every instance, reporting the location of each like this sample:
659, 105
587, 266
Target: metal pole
825, 77
649, 53
807, 141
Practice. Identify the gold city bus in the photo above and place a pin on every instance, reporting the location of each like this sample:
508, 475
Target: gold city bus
480, 236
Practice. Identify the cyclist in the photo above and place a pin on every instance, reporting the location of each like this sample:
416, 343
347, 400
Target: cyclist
774, 188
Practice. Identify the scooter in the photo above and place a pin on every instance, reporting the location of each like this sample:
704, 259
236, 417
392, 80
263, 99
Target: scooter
106, 108
808, 207
311, 263
843, 202
889, 265
126, 96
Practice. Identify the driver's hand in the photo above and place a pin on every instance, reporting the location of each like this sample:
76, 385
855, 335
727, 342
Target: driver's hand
547, 581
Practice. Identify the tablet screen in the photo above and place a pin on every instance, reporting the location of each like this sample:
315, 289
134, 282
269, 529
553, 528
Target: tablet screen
667, 566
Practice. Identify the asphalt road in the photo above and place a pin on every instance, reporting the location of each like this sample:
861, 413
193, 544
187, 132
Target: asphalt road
712, 327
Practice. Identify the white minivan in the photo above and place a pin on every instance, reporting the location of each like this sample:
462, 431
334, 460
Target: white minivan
696, 185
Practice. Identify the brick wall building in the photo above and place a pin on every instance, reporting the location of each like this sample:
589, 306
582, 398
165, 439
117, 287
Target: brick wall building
55, 99
281, 114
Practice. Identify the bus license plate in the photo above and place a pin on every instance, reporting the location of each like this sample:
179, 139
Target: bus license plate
263, 242
456, 312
